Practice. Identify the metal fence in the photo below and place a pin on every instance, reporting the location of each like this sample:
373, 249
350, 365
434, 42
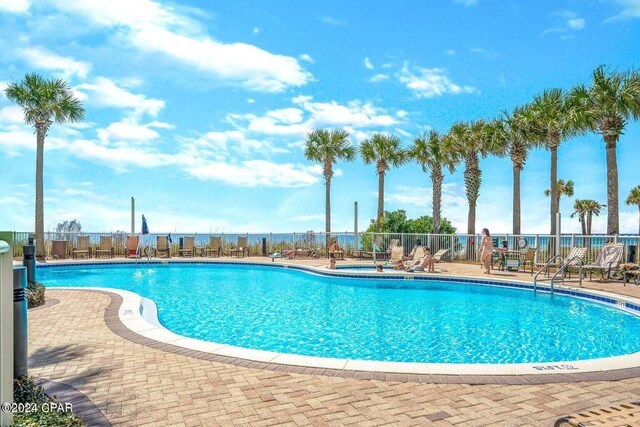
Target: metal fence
460, 247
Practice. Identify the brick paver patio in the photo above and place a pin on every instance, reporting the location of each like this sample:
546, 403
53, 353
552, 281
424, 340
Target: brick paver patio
133, 384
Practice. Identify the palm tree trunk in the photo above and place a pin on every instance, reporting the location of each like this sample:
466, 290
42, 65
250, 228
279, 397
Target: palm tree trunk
554, 187
589, 219
516, 199
613, 224
638, 220
380, 199
327, 204
436, 182
39, 214
472, 181
583, 224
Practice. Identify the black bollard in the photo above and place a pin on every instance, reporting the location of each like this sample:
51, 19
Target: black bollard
29, 261
20, 341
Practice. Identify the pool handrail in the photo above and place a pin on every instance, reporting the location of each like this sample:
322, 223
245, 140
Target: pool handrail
566, 265
546, 266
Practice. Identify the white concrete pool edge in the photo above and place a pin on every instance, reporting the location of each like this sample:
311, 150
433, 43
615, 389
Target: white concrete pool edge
139, 315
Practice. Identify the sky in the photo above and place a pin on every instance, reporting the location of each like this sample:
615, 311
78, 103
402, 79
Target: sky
200, 109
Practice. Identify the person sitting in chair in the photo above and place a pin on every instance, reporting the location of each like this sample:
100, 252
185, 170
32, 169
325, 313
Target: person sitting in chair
334, 249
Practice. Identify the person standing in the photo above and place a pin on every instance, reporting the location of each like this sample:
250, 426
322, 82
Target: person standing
486, 250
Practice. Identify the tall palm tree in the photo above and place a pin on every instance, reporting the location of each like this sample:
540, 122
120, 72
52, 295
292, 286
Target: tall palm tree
43, 101
327, 147
552, 120
634, 199
471, 141
433, 154
562, 189
592, 208
511, 136
386, 152
605, 107
580, 210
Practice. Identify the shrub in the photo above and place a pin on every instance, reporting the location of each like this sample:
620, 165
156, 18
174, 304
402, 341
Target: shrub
35, 294
26, 391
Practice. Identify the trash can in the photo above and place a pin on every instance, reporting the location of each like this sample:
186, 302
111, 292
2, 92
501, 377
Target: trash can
631, 253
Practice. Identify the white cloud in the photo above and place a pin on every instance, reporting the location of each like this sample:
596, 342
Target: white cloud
631, 9
430, 82
576, 23
12, 201
379, 78
130, 131
367, 64
484, 53
256, 30
14, 6
450, 52
14, 141
39, 57
257, 173
11, 114
332, 21
356, 113
306, 57
105, 93
152, 27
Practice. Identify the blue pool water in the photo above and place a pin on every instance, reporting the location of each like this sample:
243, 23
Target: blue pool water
291, 311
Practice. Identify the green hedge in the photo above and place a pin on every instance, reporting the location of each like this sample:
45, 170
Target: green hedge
35, 294
26, 391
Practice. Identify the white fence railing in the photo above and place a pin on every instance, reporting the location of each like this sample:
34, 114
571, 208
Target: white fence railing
6, 325
461, 247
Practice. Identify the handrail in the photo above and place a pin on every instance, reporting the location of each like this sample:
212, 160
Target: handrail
546, 266
565, 266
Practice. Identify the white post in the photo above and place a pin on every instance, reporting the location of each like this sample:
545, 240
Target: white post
6, 324
133, 215
355, 226
558, 233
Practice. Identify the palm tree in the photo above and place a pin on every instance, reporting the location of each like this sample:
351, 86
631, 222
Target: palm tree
551, 120
327, 147
562, 189
433, 154
510, 134
592, 208
43, 101
634, 199
472, 141
579, 209
386, 152
605, 107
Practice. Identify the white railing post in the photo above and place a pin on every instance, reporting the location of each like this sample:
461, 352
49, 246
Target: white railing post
6, 324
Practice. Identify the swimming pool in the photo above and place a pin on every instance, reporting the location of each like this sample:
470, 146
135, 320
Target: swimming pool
289, 311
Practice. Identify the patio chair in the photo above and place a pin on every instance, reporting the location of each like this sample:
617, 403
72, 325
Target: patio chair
575, 260
163, 246
188, 247
417, 256
82, 247
215, 246
529, 258
392, 244
438, 255
376, 250
337, 254
133, 242
106, 246
608, 259
397, 253
623, 415
241, 248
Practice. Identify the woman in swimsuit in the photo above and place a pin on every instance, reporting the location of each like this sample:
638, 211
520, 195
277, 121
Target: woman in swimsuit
486, 250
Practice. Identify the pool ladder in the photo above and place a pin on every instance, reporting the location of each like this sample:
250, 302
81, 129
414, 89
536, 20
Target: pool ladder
561, 270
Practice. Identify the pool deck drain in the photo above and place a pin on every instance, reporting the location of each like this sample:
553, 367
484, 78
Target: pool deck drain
134, 380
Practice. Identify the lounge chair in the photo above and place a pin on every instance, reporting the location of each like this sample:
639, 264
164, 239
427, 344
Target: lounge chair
396, 254
574, 260
438, 256
417, 256
82, 247
339, 254
376, 250
188, 247
215, 246
163, 246
392, 244
623, 415
106, 246
608, 259
241, 248
133, 242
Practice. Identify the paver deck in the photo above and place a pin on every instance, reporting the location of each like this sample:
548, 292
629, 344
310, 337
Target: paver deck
133, 384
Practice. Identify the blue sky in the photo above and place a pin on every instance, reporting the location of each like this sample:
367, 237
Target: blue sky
200, 109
